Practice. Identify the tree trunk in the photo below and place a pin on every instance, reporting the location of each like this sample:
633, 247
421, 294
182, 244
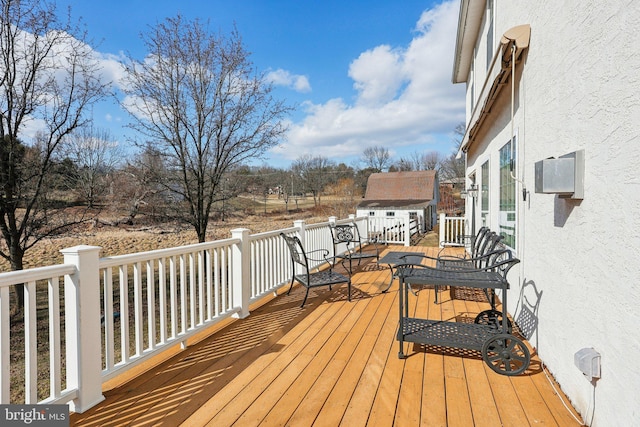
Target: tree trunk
17, 256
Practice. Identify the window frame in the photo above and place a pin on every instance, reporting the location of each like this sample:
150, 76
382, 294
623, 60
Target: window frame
507, 200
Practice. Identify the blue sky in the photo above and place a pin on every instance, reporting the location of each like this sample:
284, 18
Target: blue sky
358, 73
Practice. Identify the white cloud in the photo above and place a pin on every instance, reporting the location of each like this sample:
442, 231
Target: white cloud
404, 97
378, 75
56, 65
112, 68
296, 82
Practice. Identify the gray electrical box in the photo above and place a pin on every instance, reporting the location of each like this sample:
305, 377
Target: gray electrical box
588, 361
563, 176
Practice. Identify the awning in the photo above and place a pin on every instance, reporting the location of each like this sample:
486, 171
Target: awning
517, 37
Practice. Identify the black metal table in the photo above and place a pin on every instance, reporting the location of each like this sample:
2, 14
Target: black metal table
395, 257
502, 351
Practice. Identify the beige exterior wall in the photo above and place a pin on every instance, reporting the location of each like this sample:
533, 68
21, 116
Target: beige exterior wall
578, 87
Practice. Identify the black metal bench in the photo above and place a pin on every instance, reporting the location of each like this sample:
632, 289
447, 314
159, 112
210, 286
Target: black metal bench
486, 244
487, 241
502, 351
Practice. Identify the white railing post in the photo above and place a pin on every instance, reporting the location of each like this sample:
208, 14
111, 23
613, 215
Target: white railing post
407, 231
300, 224
441, 228
82, 319
241, 268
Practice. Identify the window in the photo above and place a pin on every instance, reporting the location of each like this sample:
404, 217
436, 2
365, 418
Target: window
507, 218
489, 20
484, 192
372, 213
472, 93
391, 213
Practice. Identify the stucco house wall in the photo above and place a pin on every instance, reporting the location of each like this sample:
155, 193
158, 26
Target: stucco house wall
577, 87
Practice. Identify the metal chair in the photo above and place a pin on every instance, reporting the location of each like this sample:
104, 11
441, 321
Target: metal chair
488, 243
348, 235
472, 242
307, 278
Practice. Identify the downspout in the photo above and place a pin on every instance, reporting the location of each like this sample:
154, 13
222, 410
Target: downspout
513, 84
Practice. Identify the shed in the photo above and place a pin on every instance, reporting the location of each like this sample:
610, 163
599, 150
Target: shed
402, 194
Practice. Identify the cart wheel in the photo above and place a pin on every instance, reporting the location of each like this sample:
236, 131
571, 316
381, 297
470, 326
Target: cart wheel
506, 354
492, 318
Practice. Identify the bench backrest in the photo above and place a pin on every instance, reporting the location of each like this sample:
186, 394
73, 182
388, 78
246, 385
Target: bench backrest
490, 243
501, 261
479, 240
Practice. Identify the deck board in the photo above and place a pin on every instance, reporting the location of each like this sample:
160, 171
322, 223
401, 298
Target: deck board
333, 362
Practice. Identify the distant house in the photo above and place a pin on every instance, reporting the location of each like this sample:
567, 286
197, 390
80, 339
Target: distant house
453, 183
402, 195
552, 145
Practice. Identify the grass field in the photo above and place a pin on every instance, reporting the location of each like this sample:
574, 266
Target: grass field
145, 235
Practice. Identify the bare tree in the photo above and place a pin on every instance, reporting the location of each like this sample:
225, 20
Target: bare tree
453, 166
427, 161
402, 165
377, 158
48, 77
138, 184
344, 190
95, 154
197, 97
314, 173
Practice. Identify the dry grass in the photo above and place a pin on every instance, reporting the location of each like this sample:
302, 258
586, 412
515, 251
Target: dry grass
144, 235
140, 237
119, 240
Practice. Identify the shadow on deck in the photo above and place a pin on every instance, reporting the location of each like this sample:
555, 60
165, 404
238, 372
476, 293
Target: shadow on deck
332, 362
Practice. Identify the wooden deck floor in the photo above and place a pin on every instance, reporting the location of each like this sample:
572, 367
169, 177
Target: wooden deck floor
331, 363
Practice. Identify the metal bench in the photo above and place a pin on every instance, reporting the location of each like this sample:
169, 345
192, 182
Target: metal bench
488, 247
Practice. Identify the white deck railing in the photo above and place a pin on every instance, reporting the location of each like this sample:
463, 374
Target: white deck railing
393, 231
135, 306
452, 228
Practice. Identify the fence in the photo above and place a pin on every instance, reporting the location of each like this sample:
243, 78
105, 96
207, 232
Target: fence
452, 230
393, 231
134, 307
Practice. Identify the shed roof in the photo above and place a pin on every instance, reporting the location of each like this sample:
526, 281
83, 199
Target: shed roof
404, 204
400, 189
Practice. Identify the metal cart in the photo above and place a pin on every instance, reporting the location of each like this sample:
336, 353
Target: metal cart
503, 352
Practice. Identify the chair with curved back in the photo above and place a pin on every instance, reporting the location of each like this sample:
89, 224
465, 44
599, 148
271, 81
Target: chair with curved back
347, 237
306, 277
